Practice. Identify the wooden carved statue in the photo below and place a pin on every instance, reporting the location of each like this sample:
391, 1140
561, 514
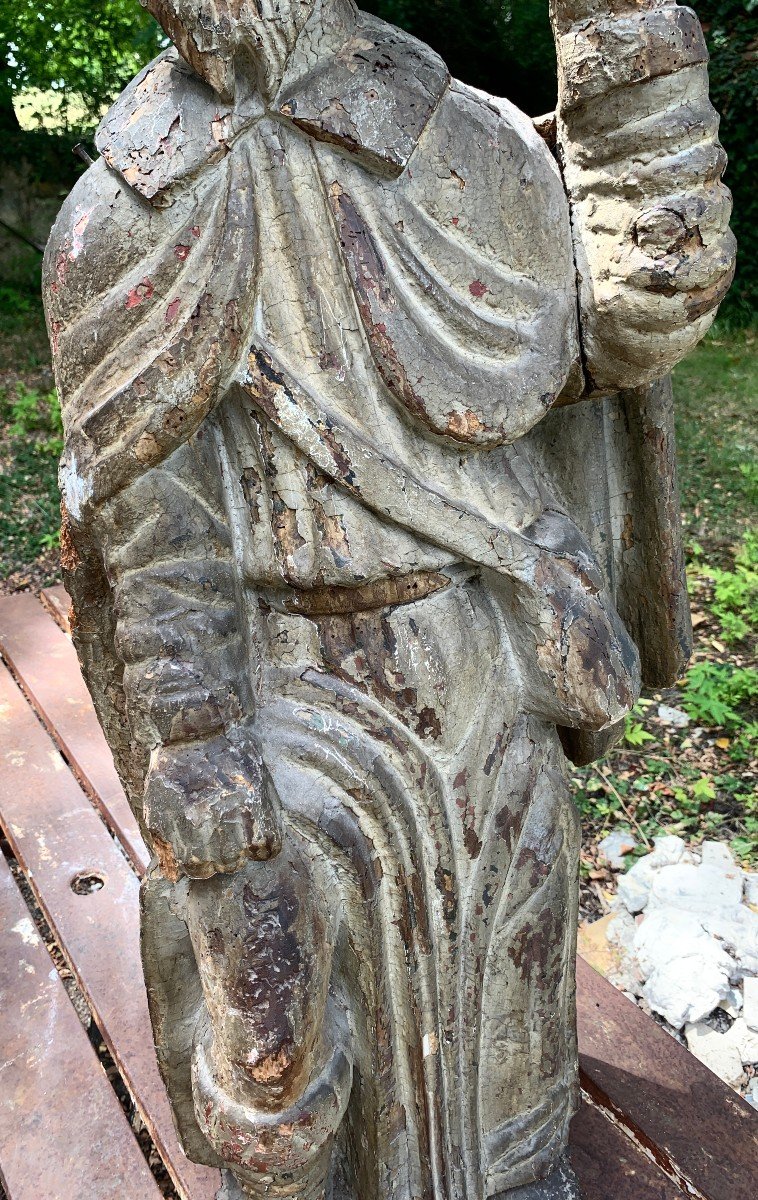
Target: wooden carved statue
353, 570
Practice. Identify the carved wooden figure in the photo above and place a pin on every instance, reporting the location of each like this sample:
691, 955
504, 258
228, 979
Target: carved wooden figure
352, 573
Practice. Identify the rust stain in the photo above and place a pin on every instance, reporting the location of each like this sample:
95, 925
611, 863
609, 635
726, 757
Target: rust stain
167, 861
142, 291
70, 560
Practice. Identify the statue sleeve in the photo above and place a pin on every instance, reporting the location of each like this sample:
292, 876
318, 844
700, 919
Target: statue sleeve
145, 308
637, 140
168, 552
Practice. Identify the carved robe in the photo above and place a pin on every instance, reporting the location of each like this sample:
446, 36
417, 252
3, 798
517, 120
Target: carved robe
304, 347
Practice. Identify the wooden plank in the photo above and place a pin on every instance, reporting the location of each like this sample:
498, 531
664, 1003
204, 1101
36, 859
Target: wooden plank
63, 1134
45, 663
704, 1136
58, 603
609, 1166
58, 839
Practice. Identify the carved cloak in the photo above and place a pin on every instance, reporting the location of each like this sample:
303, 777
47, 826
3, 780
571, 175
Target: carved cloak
347, 279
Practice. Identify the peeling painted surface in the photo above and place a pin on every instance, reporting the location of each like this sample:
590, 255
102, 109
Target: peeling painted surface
345, 588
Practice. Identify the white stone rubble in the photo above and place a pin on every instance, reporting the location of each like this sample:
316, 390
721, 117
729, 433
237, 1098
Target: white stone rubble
732, 1002
634, 886
673, 716
686, 923
750, 1005
716, 1051
616, 846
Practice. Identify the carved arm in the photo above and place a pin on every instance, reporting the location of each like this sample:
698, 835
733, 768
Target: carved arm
637, 140
209, 804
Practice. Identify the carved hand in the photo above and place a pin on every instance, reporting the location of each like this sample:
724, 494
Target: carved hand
210, 806
637, 139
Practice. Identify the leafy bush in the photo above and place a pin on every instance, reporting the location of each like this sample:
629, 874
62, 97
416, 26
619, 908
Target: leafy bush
730, 30
735, 593
84, 55
29, 502
714, 691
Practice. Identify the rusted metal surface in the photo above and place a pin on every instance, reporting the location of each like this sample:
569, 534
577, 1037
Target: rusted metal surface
610, 1166
701, 1133
63, 1134
58, 838
45, 664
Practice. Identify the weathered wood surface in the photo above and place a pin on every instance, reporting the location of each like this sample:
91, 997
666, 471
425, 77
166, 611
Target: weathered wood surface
652, 1102
63, 1134
43, 659
341, 624
56, 601
610, 1166
701, 1132
58, 839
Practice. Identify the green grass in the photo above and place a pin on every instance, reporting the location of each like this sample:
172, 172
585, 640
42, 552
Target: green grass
700, 781
30, 447
716, 390
24, 347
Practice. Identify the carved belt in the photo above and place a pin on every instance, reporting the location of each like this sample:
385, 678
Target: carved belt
336, 600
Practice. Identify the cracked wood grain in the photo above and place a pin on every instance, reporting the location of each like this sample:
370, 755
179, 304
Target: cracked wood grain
351, 569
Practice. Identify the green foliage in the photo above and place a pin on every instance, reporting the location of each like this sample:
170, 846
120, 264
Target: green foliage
29, 412
714, 691
31, 445
635, 733
86, 54
663, 795
668, 798
735, 593
506, 48
730, 30
716, 392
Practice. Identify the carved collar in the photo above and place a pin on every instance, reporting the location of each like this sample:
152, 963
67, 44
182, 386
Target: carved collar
372, 96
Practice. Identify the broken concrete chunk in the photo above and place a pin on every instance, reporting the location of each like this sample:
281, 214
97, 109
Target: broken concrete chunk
732, 1002
718, 854
737, 931
745, 1040
751, 887
634, 887
750, 1002
668, 849
673, 716
616, 846
716, 1051
686, 989
703, 889
687, 972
